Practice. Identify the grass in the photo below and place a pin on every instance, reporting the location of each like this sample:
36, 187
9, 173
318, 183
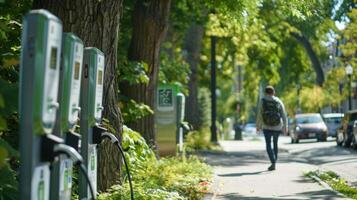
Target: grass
335, 182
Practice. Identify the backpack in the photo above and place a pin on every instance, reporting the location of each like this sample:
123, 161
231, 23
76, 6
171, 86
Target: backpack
271, 112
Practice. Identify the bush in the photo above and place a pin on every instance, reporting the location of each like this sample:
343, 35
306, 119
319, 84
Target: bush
204, 107
174, 178
200, 140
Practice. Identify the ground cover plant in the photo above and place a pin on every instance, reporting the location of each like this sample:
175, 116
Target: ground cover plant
335, 182
175, 178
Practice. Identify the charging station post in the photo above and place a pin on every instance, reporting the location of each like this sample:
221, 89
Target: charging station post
179, 120
67, 115
39, 76
91, 114
170, 114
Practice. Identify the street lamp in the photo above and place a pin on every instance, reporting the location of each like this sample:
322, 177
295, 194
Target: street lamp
349, 71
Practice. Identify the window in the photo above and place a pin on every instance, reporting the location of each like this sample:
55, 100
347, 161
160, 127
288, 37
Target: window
309, 119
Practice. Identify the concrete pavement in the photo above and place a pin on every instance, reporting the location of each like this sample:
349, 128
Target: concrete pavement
241, 173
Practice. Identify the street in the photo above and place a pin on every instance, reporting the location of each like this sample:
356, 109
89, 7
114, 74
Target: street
241, 170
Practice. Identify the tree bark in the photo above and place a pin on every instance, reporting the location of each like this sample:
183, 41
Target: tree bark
150, 24
192, 46
97, 24
312, 55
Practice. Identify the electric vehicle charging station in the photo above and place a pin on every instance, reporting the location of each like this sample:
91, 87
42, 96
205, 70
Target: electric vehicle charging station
40, 148
91, 114
39, 76
170, 111
180, 119
67, 115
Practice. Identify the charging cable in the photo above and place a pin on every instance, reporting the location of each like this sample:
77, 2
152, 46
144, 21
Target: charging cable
115, 141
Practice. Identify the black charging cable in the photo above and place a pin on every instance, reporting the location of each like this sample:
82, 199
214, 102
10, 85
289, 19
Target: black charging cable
85, 173
115, 141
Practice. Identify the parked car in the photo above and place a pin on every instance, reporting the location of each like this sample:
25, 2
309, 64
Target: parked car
250, 129
333, 122
345, 132
308, 126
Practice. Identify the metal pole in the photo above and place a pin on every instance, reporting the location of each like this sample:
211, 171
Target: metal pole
213, 90
349, 93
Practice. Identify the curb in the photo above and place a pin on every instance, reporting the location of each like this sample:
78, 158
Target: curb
327, 186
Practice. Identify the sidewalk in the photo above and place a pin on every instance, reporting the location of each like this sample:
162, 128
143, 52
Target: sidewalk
240, 173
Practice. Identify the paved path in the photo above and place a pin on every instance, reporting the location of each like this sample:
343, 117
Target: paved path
240, 173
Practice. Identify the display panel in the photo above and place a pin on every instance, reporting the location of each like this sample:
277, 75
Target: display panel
165, 97
100, 77
53, 58
77, 66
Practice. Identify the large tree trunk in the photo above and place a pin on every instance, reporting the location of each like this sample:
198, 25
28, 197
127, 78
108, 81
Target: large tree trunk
150, 24
97, 24
312, 55
192, 45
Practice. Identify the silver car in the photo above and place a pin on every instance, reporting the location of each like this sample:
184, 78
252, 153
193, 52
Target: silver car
333, 122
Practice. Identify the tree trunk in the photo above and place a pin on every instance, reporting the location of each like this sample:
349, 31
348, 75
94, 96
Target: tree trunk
192, 46
97, 24
312, 55
150, 24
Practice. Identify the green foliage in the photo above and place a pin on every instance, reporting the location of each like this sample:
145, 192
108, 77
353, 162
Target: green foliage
312, 99
349, 35
204, 109
337, 183
132, 111
200, 140
8, 182
173, 68
134, 72
168, 178
119, 192
174, 178
10, 40
136, 150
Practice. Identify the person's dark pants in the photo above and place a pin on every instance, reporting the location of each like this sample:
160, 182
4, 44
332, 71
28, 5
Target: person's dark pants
273, 154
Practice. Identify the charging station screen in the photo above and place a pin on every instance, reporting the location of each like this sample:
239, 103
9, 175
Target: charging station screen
100, 77
76, 70
53, 58
165, 97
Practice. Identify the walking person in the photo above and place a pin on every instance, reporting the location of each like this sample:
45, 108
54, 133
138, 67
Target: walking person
273, 121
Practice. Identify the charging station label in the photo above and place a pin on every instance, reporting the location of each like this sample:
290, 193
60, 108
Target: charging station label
92, 166
40, 186
66, 167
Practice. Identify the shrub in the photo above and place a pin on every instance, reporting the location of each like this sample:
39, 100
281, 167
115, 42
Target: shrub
174, 178
199, 140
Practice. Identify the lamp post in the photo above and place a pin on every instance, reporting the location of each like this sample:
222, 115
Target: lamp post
349, 71
213, 90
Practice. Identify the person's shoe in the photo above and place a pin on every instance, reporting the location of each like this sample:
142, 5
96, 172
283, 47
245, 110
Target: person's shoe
272, 167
